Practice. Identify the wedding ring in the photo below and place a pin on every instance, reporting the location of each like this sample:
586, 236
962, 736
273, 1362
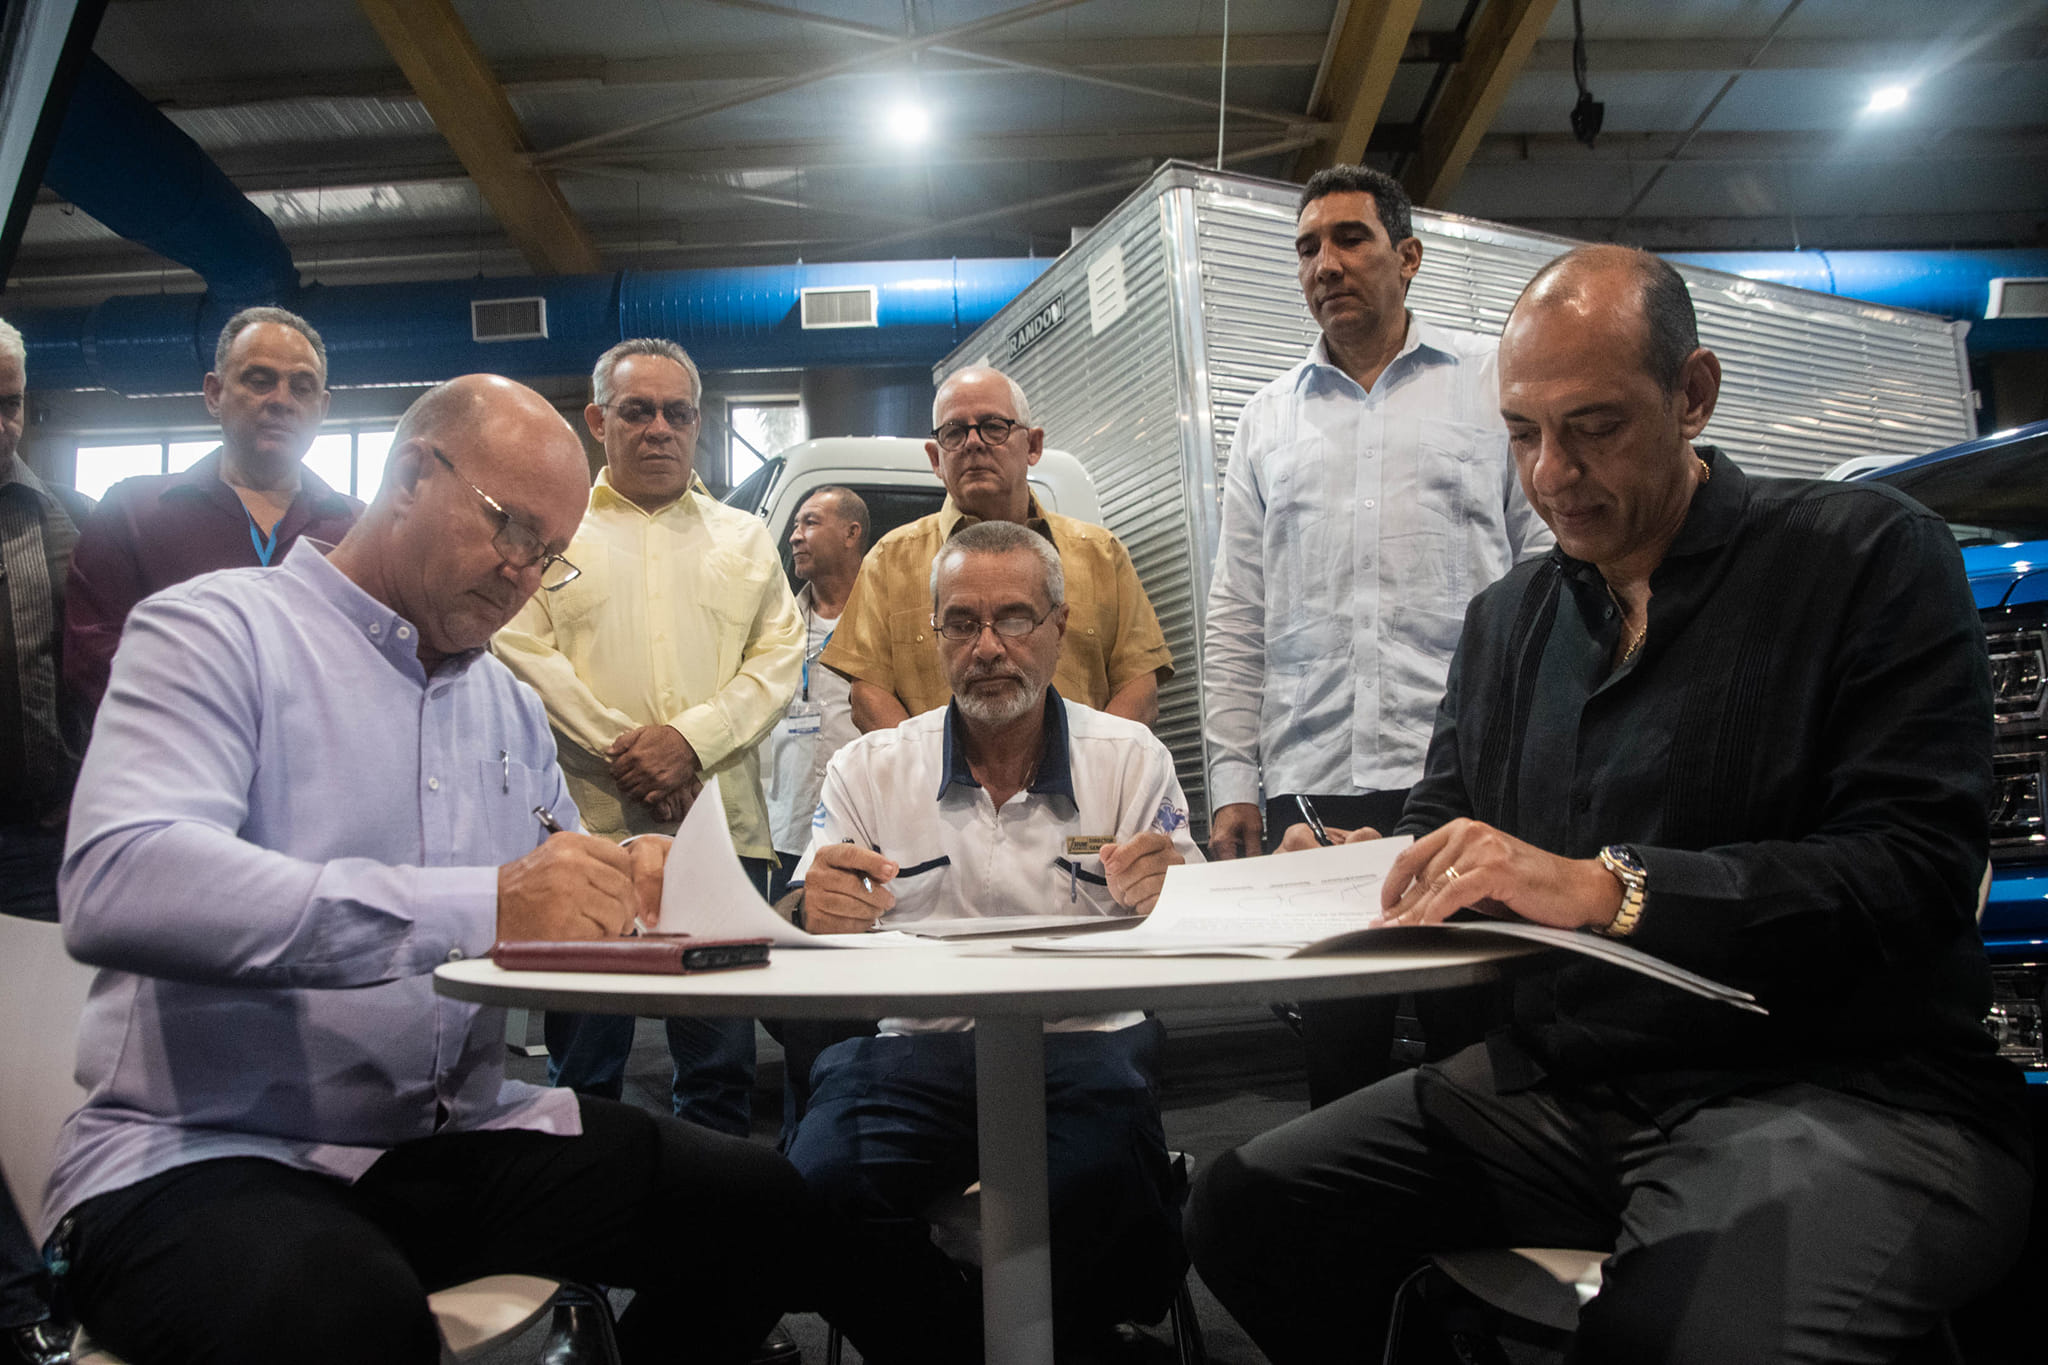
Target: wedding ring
1450, 874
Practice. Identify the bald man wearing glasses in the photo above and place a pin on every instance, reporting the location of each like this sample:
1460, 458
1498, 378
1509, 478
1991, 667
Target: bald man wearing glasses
666, 662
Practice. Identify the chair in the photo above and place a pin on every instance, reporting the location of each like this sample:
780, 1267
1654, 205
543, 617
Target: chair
42, 993
956, 1231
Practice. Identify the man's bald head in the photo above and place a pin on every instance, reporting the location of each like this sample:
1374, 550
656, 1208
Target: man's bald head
1610, 278
485, 480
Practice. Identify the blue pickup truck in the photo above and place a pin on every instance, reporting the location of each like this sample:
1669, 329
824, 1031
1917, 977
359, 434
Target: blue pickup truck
1994, 494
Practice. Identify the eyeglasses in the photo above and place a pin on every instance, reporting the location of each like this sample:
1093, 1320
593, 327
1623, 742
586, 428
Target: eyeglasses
515, 542
1013, 625
638, 412
994, 431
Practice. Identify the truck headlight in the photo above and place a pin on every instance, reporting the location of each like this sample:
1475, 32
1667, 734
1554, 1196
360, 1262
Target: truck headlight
2019, 673
2019, 814
2015, 1018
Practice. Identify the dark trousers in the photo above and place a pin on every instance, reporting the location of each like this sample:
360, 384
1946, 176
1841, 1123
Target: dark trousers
1791, 1224
1349, 1044
714, 1058
30, 855
891, 1131
243, 1259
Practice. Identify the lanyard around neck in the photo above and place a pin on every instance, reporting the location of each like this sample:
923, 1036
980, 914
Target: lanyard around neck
265, 547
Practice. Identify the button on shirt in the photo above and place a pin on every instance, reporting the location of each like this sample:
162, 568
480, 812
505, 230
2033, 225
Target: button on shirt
680, 617
1356, 526
284, 824
817, 725
908, 793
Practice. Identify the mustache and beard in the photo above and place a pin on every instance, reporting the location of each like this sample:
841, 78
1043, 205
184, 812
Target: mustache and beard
996, 706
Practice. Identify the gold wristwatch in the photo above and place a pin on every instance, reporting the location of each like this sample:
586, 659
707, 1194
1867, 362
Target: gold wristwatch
1628, 869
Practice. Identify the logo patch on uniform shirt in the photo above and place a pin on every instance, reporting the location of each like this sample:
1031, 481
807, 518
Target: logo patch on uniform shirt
1170, 817
818, 816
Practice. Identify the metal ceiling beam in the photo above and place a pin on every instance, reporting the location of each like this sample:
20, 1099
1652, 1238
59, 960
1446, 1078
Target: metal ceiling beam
568, 75
1496, 48
874, 34
1653, 149
1604, 56
898, 48
430, 44
1366, 46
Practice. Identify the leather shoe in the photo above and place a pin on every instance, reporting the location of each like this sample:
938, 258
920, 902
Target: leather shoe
40, 1343
778, 1348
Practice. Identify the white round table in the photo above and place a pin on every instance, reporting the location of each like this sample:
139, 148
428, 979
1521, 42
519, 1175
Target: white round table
1009, 994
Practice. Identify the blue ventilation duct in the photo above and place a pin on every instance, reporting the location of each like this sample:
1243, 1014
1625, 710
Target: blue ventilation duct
1954, 284
121, 160
733, 319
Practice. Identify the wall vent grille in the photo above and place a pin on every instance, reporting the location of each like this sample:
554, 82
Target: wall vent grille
508, 319
839, 307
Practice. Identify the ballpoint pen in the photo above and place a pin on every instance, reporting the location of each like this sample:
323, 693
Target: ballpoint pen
547, 819
1315, 822
866, 883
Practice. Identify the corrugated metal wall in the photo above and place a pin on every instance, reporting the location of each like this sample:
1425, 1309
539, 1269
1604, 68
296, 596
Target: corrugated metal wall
1214, 311
1113, 400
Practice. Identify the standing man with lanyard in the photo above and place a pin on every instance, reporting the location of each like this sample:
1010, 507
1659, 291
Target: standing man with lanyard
242, 505
826, 544
1369, 496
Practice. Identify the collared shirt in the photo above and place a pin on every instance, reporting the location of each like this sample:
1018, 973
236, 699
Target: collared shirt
818, 723
159, 529
284, 824
885, 633
42, 729
908, 793
1356, 526
1799, 752
680, 617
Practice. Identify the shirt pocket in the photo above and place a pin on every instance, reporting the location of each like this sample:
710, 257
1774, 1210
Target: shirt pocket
508, 792
1451, 488
737, 583
914, 658
1084, 653
1302, 623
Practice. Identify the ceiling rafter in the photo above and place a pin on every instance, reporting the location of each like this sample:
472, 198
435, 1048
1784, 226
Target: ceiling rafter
1014, 63
897, 47
448, 72
1496, 49
1367, 40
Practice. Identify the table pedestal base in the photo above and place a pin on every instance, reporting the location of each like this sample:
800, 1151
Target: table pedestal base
1016, 1243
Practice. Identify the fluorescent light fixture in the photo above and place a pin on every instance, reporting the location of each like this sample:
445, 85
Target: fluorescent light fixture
909, 122
1886, 98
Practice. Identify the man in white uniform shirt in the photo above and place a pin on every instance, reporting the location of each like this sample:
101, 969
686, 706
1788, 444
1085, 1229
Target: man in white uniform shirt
1008, 801
1369, 496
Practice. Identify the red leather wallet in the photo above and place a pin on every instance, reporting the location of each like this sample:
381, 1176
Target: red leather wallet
672, 954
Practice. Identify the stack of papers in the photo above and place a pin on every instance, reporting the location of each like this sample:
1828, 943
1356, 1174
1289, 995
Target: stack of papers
1324, 901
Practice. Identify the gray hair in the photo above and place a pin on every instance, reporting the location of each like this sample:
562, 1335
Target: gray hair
11, 344
1019, 404
283, 317
850, 506
601, 373
1002, 538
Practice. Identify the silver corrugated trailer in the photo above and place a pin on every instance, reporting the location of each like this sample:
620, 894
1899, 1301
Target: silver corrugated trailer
1139, 346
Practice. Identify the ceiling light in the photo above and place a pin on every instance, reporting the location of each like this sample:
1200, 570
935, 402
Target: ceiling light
909, 123
1886, 98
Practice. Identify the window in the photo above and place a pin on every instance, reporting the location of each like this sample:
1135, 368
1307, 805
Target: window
347, 461
757, 430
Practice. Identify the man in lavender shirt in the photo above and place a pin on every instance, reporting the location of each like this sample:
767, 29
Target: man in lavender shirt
309, 785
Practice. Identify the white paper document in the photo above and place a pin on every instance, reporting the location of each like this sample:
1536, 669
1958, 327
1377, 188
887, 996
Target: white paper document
706, 893
1324, 901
